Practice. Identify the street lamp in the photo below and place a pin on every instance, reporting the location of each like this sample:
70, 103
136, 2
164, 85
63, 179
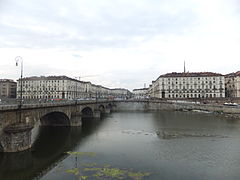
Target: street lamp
17, 59
76, 93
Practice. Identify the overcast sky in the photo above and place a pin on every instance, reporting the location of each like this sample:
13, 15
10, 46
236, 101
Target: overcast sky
118, 43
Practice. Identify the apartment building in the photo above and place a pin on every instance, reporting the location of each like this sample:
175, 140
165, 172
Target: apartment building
232, 84
63, 87
189, 85
7, 88
140, 93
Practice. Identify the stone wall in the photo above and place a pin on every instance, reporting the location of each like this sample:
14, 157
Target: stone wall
163, 105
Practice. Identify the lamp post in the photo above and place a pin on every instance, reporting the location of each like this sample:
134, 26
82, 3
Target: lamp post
76, 81
17, 59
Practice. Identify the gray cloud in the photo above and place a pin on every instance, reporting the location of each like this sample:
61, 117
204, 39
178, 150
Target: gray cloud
61, 24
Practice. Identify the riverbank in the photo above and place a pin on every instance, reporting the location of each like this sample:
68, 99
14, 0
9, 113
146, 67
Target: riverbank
150, 105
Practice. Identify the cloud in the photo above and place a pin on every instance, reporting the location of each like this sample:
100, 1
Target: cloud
80, 24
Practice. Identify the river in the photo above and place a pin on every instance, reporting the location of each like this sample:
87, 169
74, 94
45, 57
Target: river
161, 145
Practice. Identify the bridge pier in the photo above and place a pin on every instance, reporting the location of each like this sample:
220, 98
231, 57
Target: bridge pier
107, 111
76, 119
97, 114
16, 137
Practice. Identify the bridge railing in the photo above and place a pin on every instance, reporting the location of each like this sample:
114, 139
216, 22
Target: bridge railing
39, 104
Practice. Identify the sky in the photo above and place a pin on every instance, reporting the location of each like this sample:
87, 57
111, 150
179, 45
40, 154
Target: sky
118, 43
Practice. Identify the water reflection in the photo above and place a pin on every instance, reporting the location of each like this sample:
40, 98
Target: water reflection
50, 147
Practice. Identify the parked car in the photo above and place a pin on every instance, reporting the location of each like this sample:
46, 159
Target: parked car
230, 104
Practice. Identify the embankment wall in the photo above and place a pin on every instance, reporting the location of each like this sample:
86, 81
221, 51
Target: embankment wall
163, 105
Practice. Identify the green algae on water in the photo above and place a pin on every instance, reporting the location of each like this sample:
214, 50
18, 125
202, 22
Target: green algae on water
83, 177
74, 171
91, 154
138, 175
110, 172
105, 172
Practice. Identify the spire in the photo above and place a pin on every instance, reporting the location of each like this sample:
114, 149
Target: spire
184, 67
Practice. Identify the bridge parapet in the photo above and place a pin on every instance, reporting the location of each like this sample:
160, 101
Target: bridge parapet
51, 104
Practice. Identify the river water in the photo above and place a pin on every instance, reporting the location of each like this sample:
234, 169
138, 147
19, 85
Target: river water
162, 145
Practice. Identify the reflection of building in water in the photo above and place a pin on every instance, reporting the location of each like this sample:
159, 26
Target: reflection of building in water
15, 162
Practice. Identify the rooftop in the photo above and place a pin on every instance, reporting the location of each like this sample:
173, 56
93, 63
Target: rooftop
233, 74
140, 89
6, 80
191, 74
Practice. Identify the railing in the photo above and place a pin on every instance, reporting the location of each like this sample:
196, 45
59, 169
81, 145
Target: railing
39, 104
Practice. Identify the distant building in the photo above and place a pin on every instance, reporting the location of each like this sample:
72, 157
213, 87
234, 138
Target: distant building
140, 93
189, 85
120, 93
63, 87
232, 84
7, 88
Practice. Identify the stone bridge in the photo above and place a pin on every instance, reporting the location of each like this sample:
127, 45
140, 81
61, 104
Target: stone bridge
18, 123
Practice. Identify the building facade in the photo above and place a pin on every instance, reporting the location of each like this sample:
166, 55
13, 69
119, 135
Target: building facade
232, 84
189, 85
120, 93
140, 93
63, 87
7, 88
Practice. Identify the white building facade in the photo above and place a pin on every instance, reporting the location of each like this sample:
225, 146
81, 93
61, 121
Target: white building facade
140, 93
189, 85
63, 87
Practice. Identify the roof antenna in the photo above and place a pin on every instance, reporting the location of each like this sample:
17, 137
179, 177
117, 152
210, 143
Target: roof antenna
184, 67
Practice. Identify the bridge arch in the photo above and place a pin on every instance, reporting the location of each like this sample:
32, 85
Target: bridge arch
87, 112
55, 118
